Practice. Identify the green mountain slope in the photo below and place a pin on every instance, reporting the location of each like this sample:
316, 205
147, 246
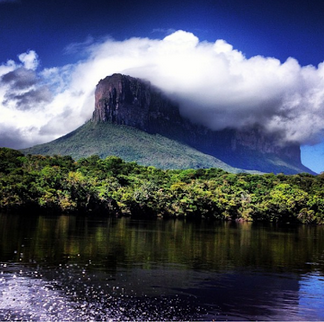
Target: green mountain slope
130, 144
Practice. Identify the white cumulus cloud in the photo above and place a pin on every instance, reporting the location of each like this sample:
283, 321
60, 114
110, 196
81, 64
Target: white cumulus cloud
215, 85
29, 59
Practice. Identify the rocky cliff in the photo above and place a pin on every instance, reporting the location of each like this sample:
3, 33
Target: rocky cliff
129, 101
125, 100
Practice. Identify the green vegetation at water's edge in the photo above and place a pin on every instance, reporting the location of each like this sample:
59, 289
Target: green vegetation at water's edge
112, 186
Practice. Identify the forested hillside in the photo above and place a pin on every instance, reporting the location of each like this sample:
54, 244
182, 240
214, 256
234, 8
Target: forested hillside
111, 186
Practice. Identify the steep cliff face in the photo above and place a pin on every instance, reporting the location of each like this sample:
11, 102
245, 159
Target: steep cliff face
256, 140
125, 100
129, 101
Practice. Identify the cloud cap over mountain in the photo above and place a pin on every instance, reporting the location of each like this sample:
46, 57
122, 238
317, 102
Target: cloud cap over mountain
215, 85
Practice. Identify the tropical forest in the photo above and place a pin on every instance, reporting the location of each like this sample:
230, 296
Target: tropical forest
112, 187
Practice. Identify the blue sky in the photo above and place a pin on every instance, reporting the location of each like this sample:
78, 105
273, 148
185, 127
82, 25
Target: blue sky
47, 45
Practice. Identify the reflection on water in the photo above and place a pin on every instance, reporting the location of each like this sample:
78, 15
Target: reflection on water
70, 268
311, 295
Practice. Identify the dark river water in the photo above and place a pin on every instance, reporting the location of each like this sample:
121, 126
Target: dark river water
71, 268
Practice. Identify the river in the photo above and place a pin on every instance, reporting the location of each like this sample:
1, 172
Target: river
71, 268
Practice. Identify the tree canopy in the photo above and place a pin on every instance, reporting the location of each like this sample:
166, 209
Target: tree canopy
111, 186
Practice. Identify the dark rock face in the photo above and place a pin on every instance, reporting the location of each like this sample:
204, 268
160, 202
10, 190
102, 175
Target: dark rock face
130, 101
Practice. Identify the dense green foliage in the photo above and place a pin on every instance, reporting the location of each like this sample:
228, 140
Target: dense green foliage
112, 186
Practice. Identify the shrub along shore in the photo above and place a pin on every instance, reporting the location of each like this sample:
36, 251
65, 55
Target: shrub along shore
110, 186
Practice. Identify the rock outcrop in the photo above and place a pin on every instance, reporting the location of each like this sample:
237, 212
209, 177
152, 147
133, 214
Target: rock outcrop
125, 100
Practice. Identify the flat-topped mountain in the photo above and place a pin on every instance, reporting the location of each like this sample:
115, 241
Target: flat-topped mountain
138, 122
124, 100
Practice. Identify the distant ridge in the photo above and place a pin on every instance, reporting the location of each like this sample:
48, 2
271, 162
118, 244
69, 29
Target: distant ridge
137, 122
